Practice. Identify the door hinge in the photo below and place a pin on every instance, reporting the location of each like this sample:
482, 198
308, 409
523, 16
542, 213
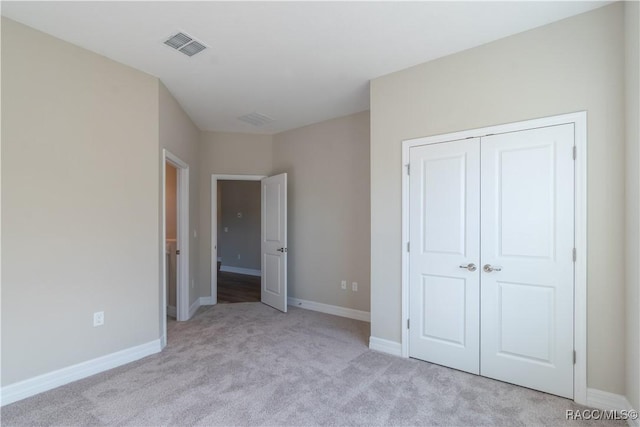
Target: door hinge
407, 323
575, 152
178, 252
408, 245
408, 169
575, 255
575, 356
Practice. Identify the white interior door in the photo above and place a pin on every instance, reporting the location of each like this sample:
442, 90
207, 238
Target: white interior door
527, 257
274, 241
444, 230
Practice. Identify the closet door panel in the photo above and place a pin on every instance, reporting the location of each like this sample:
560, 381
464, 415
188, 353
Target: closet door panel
444, 238
527, 240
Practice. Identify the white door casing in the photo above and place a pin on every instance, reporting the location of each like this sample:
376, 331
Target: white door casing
528, 234
182, 264
445, 254
274, 242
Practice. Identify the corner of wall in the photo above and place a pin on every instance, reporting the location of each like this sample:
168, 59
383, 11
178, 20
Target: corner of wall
632, 156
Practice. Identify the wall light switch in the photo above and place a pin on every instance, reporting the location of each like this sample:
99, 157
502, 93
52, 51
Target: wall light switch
354, 286
343, 284
226, 229
239, 214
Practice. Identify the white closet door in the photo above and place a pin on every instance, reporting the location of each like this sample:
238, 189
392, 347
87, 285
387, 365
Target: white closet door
444, 238
527, 231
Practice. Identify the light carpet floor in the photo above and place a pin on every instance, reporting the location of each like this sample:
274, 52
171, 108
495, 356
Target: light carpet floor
248, 364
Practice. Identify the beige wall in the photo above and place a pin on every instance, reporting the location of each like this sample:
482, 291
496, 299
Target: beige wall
181, 137
225, 153
79, 204
1, 183
328, 167
572, 65
632, 90
243, 234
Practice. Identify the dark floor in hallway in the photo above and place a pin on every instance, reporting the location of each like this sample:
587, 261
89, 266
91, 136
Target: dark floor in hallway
233, 287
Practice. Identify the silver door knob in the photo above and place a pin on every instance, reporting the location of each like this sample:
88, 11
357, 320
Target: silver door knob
488, 268
470, 267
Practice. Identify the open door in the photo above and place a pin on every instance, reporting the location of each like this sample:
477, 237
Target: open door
274, 241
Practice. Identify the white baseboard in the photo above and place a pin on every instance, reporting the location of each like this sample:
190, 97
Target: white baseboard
240, 270
205, 301
365, 316
604, 400
193, 308
27, 388
172, 311
610, 401
385, 346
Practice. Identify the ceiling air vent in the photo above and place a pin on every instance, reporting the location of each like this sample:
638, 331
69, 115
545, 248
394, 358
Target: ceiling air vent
185, 44
256, 119
192, 48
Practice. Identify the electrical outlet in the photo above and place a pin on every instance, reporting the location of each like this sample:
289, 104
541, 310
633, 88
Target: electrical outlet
343, 285
354, 286
226, 229
98, 318
238, 256
239, 214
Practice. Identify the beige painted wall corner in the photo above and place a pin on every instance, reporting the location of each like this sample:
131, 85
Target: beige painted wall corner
571, 65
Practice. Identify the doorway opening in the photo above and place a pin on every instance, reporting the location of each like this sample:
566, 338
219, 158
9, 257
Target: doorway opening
171, 238
175, 241
238, 260
272, 244
235, 280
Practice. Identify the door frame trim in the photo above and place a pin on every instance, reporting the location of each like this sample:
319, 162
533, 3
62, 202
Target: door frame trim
579, 120
214, 225
182, 241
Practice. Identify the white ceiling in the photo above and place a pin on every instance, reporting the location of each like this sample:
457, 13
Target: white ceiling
297, 62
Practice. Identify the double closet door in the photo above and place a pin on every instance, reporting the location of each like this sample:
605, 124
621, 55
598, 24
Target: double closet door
491, 267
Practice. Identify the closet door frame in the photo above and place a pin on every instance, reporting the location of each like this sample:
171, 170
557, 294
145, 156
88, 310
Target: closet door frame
579, 120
